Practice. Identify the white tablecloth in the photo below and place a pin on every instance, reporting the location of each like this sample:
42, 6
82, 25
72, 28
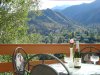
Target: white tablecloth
86, 69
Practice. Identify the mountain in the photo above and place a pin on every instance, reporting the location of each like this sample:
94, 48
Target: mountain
84, 13
51, 21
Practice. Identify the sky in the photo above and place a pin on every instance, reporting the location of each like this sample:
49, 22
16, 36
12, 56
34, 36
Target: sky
44, 4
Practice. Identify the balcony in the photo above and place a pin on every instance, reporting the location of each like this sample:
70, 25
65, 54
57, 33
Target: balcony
7, 50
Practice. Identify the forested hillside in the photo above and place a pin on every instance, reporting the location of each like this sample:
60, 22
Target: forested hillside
51, 21
87, 15
55, 27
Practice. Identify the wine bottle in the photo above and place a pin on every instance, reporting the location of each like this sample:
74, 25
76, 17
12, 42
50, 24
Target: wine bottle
77, 56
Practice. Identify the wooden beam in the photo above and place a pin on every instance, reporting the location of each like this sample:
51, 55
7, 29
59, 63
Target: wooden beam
7, 49
8, 67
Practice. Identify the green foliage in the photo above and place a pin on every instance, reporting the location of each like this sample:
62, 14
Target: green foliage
13, 19
33, 38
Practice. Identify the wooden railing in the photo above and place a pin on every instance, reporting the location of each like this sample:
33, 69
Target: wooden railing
7, 49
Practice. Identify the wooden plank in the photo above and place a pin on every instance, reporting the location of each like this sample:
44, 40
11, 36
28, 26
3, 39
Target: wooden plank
34, 48
7, 66
92, 47
7, 49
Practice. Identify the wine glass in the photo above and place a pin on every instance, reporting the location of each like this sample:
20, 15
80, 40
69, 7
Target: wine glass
94, 58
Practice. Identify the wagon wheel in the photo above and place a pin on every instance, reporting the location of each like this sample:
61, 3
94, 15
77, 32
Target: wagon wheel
19, 58
50, 56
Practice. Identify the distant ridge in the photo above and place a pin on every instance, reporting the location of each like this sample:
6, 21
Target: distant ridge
59, 8
84, 13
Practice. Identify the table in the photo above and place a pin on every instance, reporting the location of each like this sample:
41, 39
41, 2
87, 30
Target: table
86, 69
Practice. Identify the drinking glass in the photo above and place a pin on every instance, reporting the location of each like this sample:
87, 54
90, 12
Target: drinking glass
69, 62
94, 58
66, 59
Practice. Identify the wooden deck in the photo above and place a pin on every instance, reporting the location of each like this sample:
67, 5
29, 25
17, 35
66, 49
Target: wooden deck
7, 49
